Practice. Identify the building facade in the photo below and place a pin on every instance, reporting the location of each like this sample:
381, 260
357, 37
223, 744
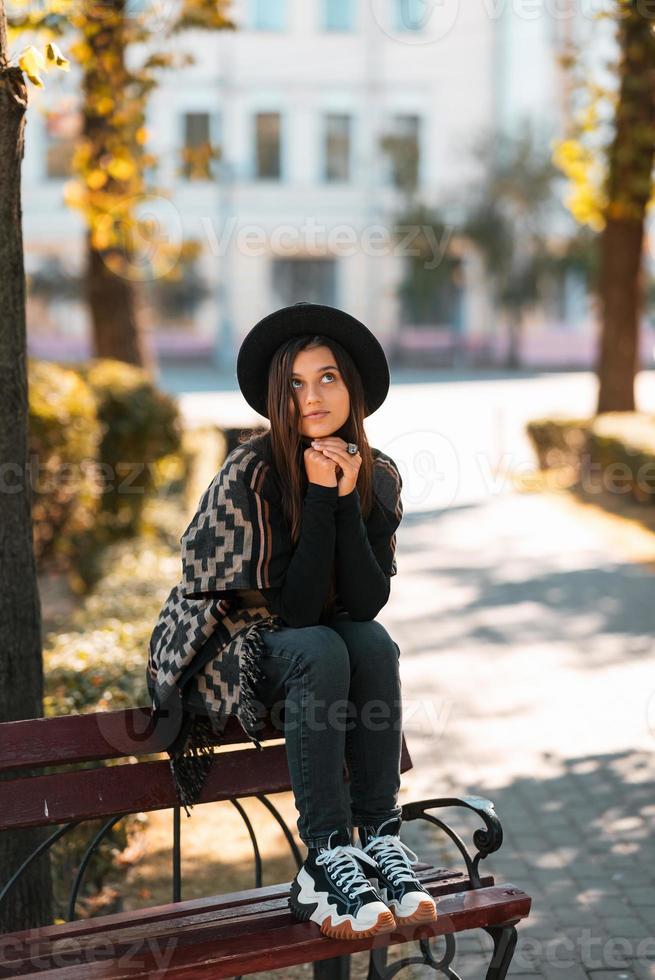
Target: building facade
332, 117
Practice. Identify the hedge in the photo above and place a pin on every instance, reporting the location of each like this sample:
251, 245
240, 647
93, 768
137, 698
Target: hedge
612, 451
102, 440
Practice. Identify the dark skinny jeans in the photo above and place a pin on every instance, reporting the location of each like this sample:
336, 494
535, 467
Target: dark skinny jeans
335, 692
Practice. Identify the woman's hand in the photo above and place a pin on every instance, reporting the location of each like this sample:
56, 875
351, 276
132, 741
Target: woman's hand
335, 449
319, 468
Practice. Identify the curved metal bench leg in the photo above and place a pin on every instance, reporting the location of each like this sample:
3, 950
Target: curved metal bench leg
504, 938
377, 963
337, 968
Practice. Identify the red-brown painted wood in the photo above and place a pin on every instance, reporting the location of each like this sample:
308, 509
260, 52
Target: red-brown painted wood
443, 881
267, 938
99, 735
83, 794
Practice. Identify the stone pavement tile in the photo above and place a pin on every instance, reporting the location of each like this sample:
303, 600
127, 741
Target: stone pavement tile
564, 971
645, 948
470, 941
630, 926
471, 966
554, 885
647, 913
639, 895
610, 907
611, 975
573, 914
615, 882
598, 948
583, 870
530, 956
548, 860
599, 893
538, 928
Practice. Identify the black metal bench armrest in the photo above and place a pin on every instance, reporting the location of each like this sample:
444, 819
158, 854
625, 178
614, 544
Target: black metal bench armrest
487, 841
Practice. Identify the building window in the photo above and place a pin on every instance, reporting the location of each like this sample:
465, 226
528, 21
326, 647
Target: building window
267, 139
411, 15
311, 280
402, 148
198, 153
337, 147
62, 130
338, 15
269, 15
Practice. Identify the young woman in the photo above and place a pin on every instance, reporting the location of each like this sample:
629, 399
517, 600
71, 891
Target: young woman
286, 564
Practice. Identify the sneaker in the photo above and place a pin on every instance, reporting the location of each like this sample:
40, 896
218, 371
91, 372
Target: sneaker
399, 887
332, 890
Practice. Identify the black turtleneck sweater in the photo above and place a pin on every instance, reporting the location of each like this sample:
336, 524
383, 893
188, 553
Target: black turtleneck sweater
333, 531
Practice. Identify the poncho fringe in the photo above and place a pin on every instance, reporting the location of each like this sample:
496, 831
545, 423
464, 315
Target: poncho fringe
191, 760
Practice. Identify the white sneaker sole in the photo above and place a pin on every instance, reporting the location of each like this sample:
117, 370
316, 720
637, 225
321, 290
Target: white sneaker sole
415, 907
373, 918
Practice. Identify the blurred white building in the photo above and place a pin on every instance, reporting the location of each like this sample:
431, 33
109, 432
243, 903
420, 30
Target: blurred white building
303, 203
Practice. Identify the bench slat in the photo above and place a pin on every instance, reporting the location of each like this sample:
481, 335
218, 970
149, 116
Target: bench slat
99, 735
84, 794
132, 923
249, 943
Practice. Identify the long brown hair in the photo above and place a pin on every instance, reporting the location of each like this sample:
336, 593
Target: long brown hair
288, 444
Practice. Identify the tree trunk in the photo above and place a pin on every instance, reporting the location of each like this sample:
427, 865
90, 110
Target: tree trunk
621, 246
112, 295
514, 323
114, 313
21, 669
629, 187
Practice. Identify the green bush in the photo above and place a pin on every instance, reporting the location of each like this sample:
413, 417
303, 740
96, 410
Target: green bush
558, 441
622, 445
64, 440
103, 439
613, 451
141, 425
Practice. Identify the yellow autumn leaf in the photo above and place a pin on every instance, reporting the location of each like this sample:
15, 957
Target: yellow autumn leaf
96, 179
60, 6
104, 105
141, 135
101, 235
55, 57
31, 62
120, 169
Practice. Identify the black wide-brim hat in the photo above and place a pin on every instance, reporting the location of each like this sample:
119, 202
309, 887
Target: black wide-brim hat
300, 320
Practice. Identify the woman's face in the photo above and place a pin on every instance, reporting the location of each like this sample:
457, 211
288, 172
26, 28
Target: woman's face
320, 388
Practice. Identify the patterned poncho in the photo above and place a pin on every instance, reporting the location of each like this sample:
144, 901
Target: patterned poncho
205, 646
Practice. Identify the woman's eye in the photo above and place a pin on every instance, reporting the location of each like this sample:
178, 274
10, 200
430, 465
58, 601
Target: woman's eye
327, 373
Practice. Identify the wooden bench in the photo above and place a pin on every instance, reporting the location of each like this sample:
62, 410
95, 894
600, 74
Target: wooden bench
220, 935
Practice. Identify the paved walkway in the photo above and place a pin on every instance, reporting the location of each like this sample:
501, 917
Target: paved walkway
528, 678
526, 628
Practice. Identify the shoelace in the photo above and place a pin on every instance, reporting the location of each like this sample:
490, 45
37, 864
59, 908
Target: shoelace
343, 861
390, 855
